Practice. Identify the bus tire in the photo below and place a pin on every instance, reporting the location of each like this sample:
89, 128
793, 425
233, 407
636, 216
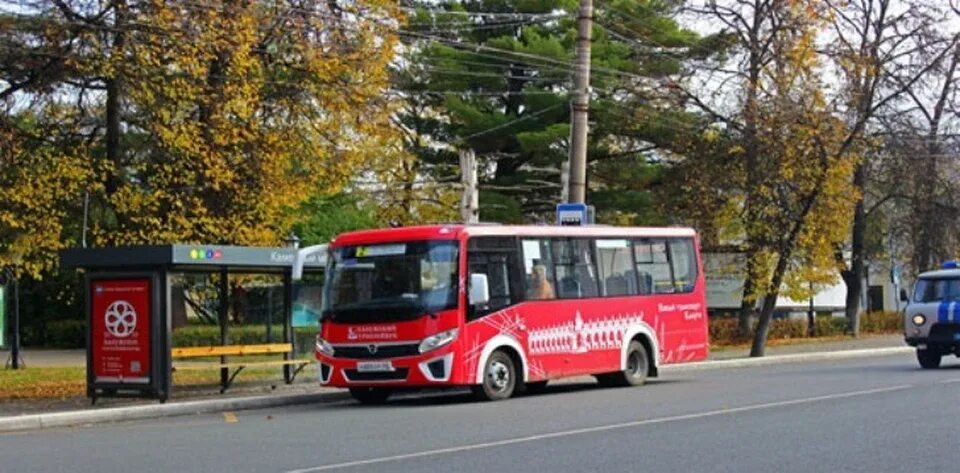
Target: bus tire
929, 358
499, 378
638, 366
370, 395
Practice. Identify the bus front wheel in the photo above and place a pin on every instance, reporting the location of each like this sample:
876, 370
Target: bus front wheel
499, 378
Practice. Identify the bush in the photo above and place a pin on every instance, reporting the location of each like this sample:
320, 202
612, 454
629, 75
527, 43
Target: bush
66, 334
881, 322
209, 335
725, 330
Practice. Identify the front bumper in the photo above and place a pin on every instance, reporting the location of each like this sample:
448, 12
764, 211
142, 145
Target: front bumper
430, 369
946, 336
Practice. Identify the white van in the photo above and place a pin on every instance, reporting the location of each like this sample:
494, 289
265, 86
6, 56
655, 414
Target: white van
932, 316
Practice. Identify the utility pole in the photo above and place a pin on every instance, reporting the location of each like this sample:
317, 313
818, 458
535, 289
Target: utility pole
469, 200
580, 106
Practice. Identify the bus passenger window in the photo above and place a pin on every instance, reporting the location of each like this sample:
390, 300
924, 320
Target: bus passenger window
684, 262
617, 277
538, 269
653, 266
575, 271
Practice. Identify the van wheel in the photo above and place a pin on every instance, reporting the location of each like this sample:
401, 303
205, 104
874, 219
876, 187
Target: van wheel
929, 358
499, 378
636, 372
370, 395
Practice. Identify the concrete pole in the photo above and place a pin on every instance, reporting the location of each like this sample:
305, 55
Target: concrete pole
470, 199
580, 105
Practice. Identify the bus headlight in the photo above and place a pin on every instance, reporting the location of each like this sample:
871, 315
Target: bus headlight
436, 341
324, 347
919, 319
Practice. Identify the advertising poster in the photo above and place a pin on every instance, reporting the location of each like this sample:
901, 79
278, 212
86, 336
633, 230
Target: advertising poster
120, 324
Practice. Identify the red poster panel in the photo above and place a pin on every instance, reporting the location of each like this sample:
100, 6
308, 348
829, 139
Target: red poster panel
120, 320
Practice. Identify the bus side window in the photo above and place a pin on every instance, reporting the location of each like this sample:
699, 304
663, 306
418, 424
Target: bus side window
575, 271
653, 266
615, 264
683, 260
497, 258
538, 270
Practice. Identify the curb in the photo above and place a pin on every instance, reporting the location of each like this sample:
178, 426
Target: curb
784, 359
119, 414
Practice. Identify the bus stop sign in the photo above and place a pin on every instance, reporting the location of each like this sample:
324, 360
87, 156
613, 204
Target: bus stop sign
572, 214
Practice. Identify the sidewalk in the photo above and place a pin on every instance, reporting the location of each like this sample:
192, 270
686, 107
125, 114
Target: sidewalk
39, 358
789, 347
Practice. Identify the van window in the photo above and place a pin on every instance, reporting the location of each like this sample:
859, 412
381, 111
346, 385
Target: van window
937, 290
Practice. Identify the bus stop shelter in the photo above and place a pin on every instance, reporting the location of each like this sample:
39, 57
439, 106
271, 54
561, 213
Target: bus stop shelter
128, 305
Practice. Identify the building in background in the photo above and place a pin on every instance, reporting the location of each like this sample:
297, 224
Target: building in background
724, 273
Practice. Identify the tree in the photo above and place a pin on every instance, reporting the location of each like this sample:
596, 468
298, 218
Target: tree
793, 198
494, 76
39, 183
878, 43
207, 122
246, 110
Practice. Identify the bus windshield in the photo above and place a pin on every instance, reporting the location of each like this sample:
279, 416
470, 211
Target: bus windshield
392, 281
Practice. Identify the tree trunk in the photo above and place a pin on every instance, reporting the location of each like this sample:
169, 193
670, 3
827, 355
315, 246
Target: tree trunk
769, 303
747, 303
112, 108
854, 277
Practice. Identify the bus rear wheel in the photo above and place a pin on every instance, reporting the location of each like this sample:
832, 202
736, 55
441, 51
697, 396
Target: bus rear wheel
370, 395
637, 368
929, 357
499, 378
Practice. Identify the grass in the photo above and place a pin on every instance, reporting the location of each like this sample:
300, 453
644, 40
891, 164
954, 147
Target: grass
66, 382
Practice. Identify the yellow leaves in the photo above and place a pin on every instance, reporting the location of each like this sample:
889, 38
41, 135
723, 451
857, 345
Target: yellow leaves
37, 184
248, 112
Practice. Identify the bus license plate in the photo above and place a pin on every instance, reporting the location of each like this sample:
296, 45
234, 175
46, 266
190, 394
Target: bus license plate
374, 366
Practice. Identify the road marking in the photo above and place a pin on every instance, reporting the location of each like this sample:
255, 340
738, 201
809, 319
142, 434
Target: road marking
601, 428
949, 381
230, 417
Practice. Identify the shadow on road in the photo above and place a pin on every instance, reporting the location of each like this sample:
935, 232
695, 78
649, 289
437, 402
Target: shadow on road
462, 396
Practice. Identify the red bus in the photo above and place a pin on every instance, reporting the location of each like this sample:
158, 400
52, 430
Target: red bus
504, 309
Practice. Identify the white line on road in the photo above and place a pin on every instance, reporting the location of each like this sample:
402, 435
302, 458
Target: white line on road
601, 428
949, 381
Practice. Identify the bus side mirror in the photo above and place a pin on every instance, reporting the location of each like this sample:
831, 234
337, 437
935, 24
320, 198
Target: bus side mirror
479, 289
903, 295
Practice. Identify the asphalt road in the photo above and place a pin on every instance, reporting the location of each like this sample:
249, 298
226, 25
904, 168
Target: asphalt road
880, 414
